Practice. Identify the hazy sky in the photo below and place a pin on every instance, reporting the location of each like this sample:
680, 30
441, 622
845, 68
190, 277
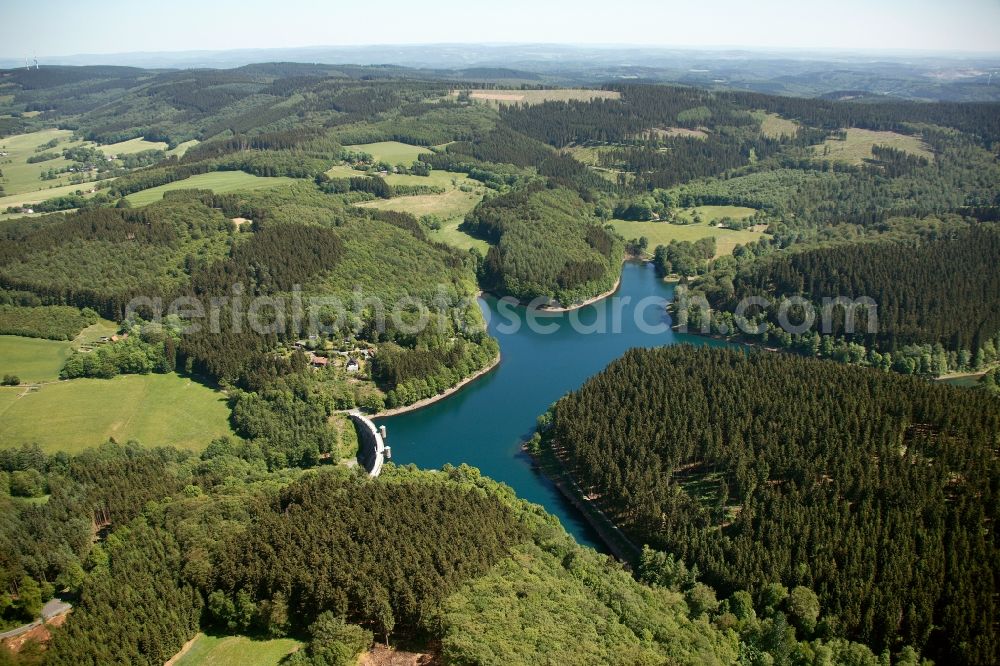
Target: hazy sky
64, 27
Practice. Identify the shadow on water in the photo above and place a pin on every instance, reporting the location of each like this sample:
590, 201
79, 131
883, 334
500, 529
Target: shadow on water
484, 424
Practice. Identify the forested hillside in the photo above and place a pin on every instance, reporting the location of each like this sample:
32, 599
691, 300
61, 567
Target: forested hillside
545, 243
301, 239
872, 490
934, 296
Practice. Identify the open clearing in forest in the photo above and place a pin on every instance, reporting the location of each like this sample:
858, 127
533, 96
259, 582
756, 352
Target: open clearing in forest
132, 146
774, 126
450, 207
219, 182
450, 204
182, 148
237, 651
156, 410
857, 147
661, 233
391, 152
679, 132
498, 97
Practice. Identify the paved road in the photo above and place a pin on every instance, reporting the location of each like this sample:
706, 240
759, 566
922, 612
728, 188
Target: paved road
51, 609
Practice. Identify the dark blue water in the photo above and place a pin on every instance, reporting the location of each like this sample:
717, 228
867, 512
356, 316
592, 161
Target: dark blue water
485, 423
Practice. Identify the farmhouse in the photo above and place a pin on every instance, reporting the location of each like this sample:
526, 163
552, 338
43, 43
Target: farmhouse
319, 361
353, 365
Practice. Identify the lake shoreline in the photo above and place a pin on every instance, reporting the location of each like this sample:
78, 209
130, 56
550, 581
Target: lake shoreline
558, 309
550, 465
447, 393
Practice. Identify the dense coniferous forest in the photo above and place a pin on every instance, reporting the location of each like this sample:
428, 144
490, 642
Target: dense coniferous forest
871, 490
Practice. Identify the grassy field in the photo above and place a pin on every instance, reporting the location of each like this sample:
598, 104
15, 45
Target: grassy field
19, 177
774, 126
712, 214
219, 182
857, 147
497, 97
661, 233
392, 152
182, 148
237, 651
452, 235
155, 410
132, 146
29, 198
95, 332
33, 359
451, 206
590, 155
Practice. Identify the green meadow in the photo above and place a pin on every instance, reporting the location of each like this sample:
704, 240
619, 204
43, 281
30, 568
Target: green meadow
219, 182
237, 651
20, 177
774, 126
661, 233
131, 146
182, 148
857, 146
167, 410
33, 359
450, 207
392, 152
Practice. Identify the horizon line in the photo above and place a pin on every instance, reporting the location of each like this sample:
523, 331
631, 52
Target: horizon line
803, 50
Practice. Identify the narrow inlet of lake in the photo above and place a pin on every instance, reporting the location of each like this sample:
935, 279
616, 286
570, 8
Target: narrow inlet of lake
485, 423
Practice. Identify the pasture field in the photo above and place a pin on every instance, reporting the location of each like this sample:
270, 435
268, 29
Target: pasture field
712, 214
219, 182
8, 396
132, 146
446, 179
498, 97
857, 147
451, 207
343, 171
453, 203
661, 233
37, 196
392, 152
19, 176
450, 233
774, 126
237, 651
156, 410
182, 148
33, 359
